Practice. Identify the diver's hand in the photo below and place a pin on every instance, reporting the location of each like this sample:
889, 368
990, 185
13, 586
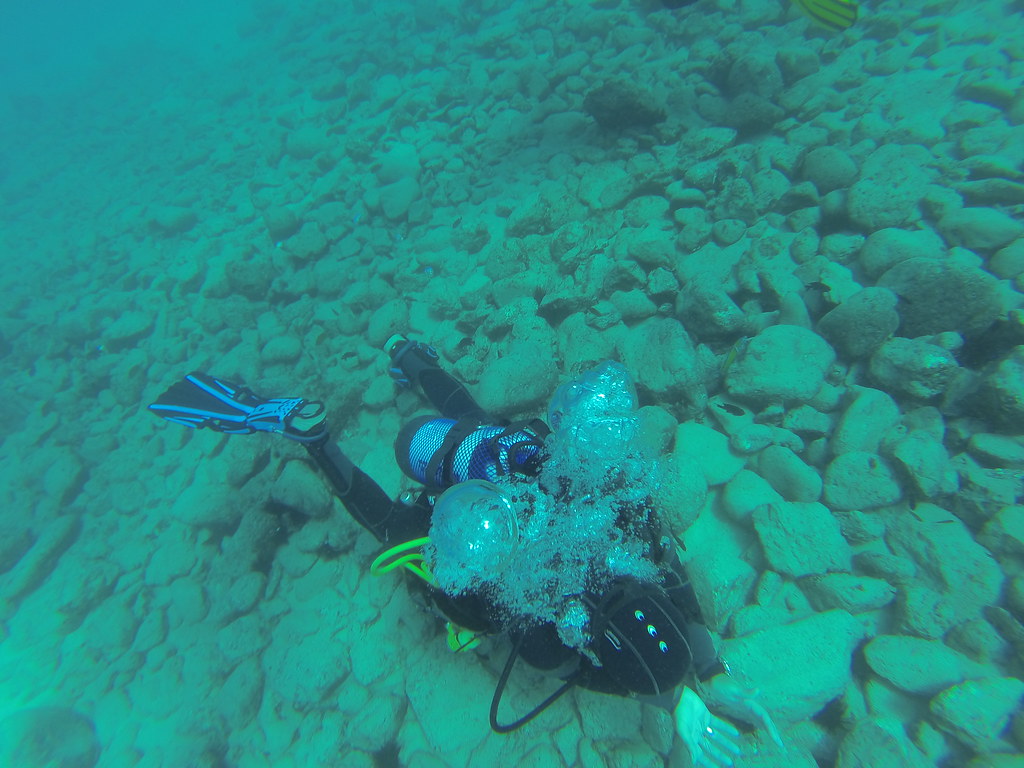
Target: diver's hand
709, 740
725, 692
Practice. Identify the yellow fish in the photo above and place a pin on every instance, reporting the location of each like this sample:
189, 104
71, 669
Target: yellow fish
836, 15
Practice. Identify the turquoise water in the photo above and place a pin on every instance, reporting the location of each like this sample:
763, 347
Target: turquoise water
805, 245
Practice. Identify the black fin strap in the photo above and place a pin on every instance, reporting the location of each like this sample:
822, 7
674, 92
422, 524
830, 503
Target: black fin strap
535, 426
514, 465
500, 690
536, 431
539, 428
460, 430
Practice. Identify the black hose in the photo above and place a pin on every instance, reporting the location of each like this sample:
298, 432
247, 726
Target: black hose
500, 689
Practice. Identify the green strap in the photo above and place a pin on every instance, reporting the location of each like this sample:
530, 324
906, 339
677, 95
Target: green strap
407, 555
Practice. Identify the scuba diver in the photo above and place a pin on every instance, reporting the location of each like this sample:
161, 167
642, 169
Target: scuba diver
545, 534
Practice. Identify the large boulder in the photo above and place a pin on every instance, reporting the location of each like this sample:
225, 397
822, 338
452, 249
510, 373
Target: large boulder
916, 664
618, 105
798, 667
800, 539
663, 358
48, 736
976, 712
781, 363
877, 743
859, 325
948, 559
925, 287
892, 182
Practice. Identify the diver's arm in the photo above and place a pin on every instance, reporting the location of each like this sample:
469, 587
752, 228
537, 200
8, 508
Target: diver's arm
715, 688
706, 663
726, 694
710, 740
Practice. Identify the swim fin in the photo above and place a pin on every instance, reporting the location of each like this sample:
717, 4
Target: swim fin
200, 400
836, 15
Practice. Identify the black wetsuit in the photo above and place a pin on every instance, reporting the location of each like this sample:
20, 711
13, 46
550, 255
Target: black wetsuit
394, 522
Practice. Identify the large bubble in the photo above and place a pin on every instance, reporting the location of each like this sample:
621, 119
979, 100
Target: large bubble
474, 534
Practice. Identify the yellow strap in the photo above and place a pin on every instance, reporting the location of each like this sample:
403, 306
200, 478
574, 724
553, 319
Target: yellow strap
460, 639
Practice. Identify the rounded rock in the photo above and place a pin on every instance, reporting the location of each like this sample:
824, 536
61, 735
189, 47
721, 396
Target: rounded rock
976, 712
755, 72
801, 539
862, 323
860, 480
281, 222
1008, 262
398, 197
829, 168
710, 449
925, 287
856, 594
727, 231
980, 228
48, 736
509, 386
888, 247
1000, 397
172, 219
915, 664
619, 105
281, 349
306, 141
789, 475
914, 367
783, 362
892, 182
401, 161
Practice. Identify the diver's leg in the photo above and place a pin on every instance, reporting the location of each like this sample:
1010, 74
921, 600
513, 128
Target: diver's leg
366, 501
413, 363
202, 401
389, 521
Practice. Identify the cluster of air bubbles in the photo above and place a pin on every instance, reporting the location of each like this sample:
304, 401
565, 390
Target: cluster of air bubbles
533, 546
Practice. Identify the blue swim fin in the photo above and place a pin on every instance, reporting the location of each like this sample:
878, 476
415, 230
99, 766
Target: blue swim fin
200, 400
